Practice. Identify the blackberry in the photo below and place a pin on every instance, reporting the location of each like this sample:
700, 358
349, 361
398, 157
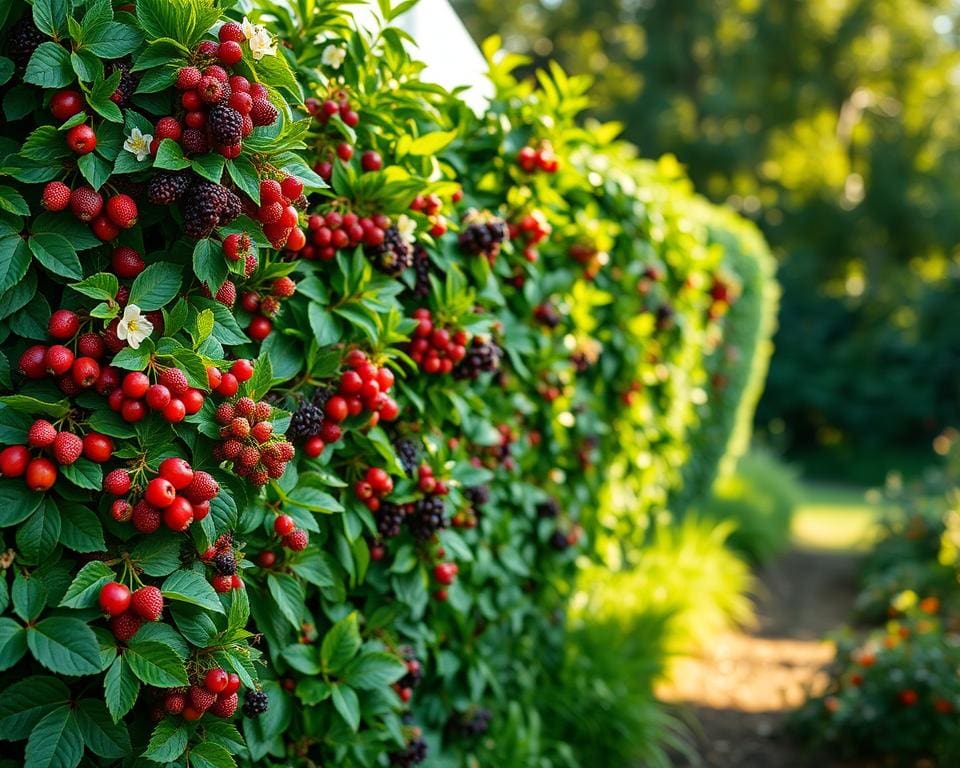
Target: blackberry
321, 397
208, 205
475, 722
548, 509
255, 703
24, 38
546, 314
413, 754
393, 255
408, 454
390, 519
478, 496
664, 317
421, 266
558, 540
482, 357
167, 187
225, 564
226, 125
427, 518
483, 235
127, 85
305, 422
195, 142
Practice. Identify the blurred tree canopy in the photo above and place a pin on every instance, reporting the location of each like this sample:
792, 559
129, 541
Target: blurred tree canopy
833, 124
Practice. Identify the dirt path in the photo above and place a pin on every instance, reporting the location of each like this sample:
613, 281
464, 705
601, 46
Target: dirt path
742, 688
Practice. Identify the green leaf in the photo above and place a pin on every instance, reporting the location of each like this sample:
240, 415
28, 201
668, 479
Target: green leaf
227, 331
102, 736
347, 705
431, 143
288, 594
373, 671
94, 168
130, 359
355, 314
155, 664
209, 166
209, 263
44, 144
49, 67
13, 642
85, 587
65, 646
6, 70
50, 16
302, 658
33, 406
29, 596
168, 741
207, 754
12, 201
259, 383
113, 40
15, 259
102, 286
156, 285
17, 502
245, 176
57, 254
170, 156
18, 296
158, 554
87, 66
38, 535
190, 587
120, 687
56, 742
80, 528
184, 21
325, 327
341, 643
75, 231
27, 702
315, 569
83, 473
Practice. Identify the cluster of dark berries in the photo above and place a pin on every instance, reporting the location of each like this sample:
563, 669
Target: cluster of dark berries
474, 722
23, 39
434, 349
207, 206
413, 754
492, 456
310, 425
106, 218
215, 691
171, 396
665, 317
293, 538
390, 518
129, 81
483, 356
279, 212
428, 517
548, 509
477, 496
483, 234
376, 484
255, 703
532, 230
393, 255
129, 610
422, 267
335, 231
40, 473
178, 496
547, 315
223, 559
407, 453
405, 685
248, 441
264, 304
337, 104
541, 157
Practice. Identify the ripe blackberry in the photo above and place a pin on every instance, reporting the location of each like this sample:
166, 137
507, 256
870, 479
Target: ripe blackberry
478, 496
225, 564
390, 519
482, 357
558, 540
127, 85
195, 142
255, 703
226, 125
208, 205
408, 454
413, 754
393, 255
422, 266
321, 396
427, 518
24, 38
548, 509
475, 722
305, 422
483, 235
168, 187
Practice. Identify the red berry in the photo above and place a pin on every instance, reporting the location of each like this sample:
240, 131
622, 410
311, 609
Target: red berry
238, 83
225, 705
242, 370
63, 324
67, 448
158, 397
147, 602
187, 78
336, 408
201, 510
85, 203
117, 482
41, 434
330, 432
65, 104
104, 229
231, 31
379, 480
85, 372
266, 559
215, 680
371, 161
191, 713
91, 345
296, 541
13, 460
175, 412
81, 139
233, 684
344, 151
177, 471
114, 598
228, 385
222, 584
132, 410
283, 525
98, 448
259, 328
229, 53
201, 698
56, 196
174, 703
271, 191
214, 377
160, 492
125, 626
126, 262
202, 488
192, 401
350, 117
146, 518
122, 211
135, 384
178, 515
175, 380
41, 475
292, 187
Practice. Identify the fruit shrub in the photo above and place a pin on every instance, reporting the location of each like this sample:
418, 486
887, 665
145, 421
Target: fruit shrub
384, 509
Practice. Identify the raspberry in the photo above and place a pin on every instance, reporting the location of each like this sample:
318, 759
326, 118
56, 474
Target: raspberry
168, 128
174, 703
231, 31
147, 602
262, 411
125, 626
222, 584
255, 703
56, 196
261, 432
225, 705
284, 287
211, 89
187, 78
245, 407
285, 450
67, 448
175, 380
235, 246
296, 541
121, 510
200, 698
85, 203
146, 518
249, 457
122, 211
202, 488
250, 264
263, 112
195, 142
91, 345
127, 85
63, 324
41, 434
167, 187
240, 427
292, 187
224, 413
117, 482
225, 125
227, 294
231, 449
259, 477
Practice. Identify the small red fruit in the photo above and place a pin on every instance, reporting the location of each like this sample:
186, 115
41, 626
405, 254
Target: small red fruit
41, 475
266, 559
147, 602
135, 384
104, 229
126, 262
225, 705
336, 408
56, 196
284, 525
222, 584
228, 385
85, 372
231, 31
175, 380
177, 471
160, 492
233, 684
125, 626
175, 412
178, 515
242, 370
81, 139
371, 161
65, 104
114, 598
67, 448
229, 53
63, 324
85, 203
188, 77
296, 541
13, 460
117, 482
215, 680
122, 210
158, 397
41, 434
313, 447
259, 328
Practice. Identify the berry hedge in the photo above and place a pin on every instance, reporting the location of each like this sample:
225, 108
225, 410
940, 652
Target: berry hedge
318, 386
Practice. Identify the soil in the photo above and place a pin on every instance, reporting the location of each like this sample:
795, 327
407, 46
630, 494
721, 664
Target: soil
739, 692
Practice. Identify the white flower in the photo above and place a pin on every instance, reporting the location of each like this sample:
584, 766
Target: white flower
133, 327
407, 228
333, 56
262, 44
249, 29
139, 144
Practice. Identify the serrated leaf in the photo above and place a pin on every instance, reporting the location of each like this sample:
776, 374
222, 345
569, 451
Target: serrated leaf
303, 658
64, 645
94, 168
190, 587
38, 535
170, 156
17, 502
155, 663
324, 326
113, 40
15, 260
209, 166
80, 528
207, 754
12, 201
156, 285
347, 704
130, 359
101, 735
84, 473
13, 643
168, 741
29, 596
49, 67
50, 16
245, 176
102, 286
85, 587
288, 595
56, 742
27, 404
341, 643
120, 687
373, 671
26, 702
209, 264
57, 254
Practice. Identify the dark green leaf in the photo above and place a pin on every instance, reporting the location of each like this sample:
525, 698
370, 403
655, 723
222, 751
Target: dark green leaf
170, 156
288, 594
83, 473
168, 741
341, 643
14, 261
13, 643
66, 646
17, 502
38, 535
207, 754
29, 596
85, 587
49, 67
57, 254
347, 705
190, 587
101, 735
56, 742
28, 701
156, 285
373, 671
80, 528
155, 663
120, 687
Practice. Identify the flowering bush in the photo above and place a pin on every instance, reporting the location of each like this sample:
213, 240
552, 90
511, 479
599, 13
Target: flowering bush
314, 384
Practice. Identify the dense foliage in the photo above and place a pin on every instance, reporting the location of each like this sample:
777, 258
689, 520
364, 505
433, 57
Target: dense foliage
830, 125
317, 386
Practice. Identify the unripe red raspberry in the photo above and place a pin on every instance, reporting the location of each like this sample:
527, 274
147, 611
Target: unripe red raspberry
187, 78
67, 448
56, 196
147, 602
297, 541
85, 203
41, 434
122, 211
117, 482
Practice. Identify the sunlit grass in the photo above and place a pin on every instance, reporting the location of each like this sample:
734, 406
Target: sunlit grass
836, 517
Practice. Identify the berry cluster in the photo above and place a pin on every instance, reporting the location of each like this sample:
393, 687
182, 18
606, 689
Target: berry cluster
223, 559
477, 496
475, 722
541, 157
431, 206
227, 384
24, 38
436, 349
264, 304
405, 685
293, 538
546, 314
255, 703
178, 496
279, 212
376, 484
106, 218
214, 692
532, 230
129, 610
429, 513
414, 753
337, 104
483, 356
335, 231
483, 234
40, 473
390, 518
171, 396
362, 387
445, 574
310, 425
248, 441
